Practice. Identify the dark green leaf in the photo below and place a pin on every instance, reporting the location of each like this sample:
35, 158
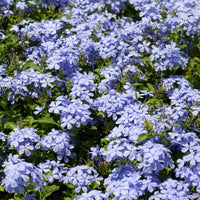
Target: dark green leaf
1, 188
46, 120
3, 104
33, 66
48, 190
9, 125
144, 137
156, 102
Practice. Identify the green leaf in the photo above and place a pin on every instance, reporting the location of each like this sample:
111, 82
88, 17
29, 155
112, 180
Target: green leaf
150, 86
145, 59
48, 190
144, 137
36, 67
1, 188
48, 174
95, 185
167, 142
33, 66
156, 102
70, 185
9, 125
137, 84
148, 61
3, 104
173, 125
32, 106
46, 120
101, 114
94, 128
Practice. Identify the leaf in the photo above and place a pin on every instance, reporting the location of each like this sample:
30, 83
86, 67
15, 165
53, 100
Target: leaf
101, 114
9, 125
137, 84
167, 142
70, 185
173, 125
30, 64
156, 102
36, 67
94, 128
144, 137
1, 188
3, 104
150, 86
95, 185
145, 59
48, 174
46, 120
48, 190
32, 106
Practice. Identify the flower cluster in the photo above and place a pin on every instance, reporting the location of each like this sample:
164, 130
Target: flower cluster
27, 83
113, 103
24, 140
173, 189
154, 157
167, 57
76, 113
81, 176
57, 170
60, 142
20, 175
83, 86
122, 76
125, 182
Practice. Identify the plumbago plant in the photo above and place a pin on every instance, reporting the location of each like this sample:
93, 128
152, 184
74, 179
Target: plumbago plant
99, 99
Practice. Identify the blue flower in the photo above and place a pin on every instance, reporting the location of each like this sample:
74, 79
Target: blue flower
19, 175
21, 5
93, 195
83, 86
119, 149
60, 142
58, 170
131, 132
29, 197
113, 103
76, 113
154, 157
167, 57
185, 97
189, 165
2, 136
38, 109
144, 46
108, 47
4, 6
133, 113
172, 189
59, 104
81, 176
19, 84
124, 182
169, 83
24, 140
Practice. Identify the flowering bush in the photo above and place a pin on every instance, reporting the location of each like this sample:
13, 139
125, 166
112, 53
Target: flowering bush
99, 99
